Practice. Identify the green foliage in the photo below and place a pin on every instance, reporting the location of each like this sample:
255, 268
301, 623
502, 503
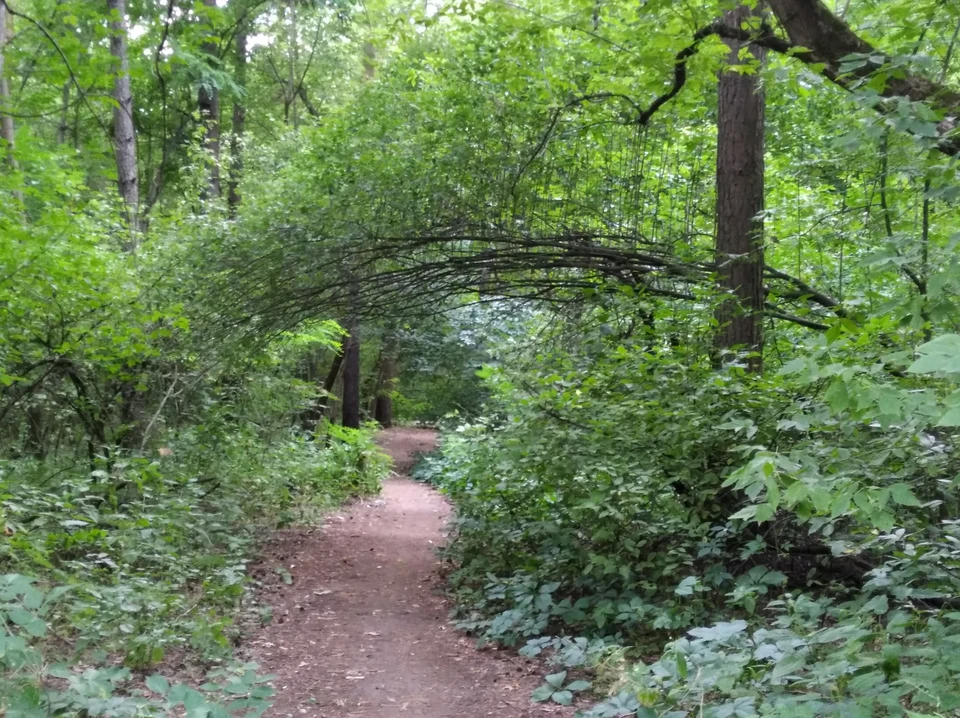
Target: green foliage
152, 552
629, 492
557, 690
31, 687
785, 543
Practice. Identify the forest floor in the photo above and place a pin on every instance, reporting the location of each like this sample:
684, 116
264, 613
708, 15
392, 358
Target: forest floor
362, 629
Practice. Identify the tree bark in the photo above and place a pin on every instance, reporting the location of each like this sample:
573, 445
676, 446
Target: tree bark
239, 125
351, 379
64, 127
124, 133
208, 102
293, 50
7, 129
310, 107
382, 401
739, 244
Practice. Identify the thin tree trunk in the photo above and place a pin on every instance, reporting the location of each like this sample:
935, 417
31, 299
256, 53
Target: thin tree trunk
308, 105
351, 379
293, 62
75, 134
64, 127
369, 60
316, 412
739, 247
7, 129
124, 133
208, 102
239, 123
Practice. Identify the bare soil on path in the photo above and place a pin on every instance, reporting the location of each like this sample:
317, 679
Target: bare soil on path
362, 630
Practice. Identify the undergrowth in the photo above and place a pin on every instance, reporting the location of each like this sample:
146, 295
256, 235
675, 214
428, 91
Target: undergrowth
712, 543
108, 573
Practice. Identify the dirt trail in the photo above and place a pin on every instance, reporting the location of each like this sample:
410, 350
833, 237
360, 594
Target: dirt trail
362, 631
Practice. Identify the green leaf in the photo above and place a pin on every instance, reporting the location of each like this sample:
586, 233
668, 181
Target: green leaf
837, 396
902, 495
542, 693
563, 698
746, 513
940, 355
794, 366
795, 493
30, 622
556, 679
764, 513
578, 686
878, 604
951, 418
789, 664
158, 684
687, 586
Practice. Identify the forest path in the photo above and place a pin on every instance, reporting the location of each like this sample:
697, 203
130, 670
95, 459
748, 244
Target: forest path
362, 630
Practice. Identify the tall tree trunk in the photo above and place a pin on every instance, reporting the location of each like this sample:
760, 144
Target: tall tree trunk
7, 129
7, 132
293, 41
36, 440
239, 126
351, 379
124, 133
208, 102
382, 401
739, 247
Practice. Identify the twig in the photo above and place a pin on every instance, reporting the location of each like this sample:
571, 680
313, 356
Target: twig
146, 431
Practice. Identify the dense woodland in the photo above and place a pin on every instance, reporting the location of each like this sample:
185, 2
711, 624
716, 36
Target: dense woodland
678, 281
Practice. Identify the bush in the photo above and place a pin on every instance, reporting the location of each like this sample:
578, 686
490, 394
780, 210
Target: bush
784, 543
148, 555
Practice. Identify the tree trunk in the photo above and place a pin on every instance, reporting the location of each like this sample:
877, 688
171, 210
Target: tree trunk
739, 247
316, 412
6, 120
369, 60
124, 134
208, 102
64, 127
310, 107
382, 401
36, 439
7, 129
351, 379
239, 122
293, 42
